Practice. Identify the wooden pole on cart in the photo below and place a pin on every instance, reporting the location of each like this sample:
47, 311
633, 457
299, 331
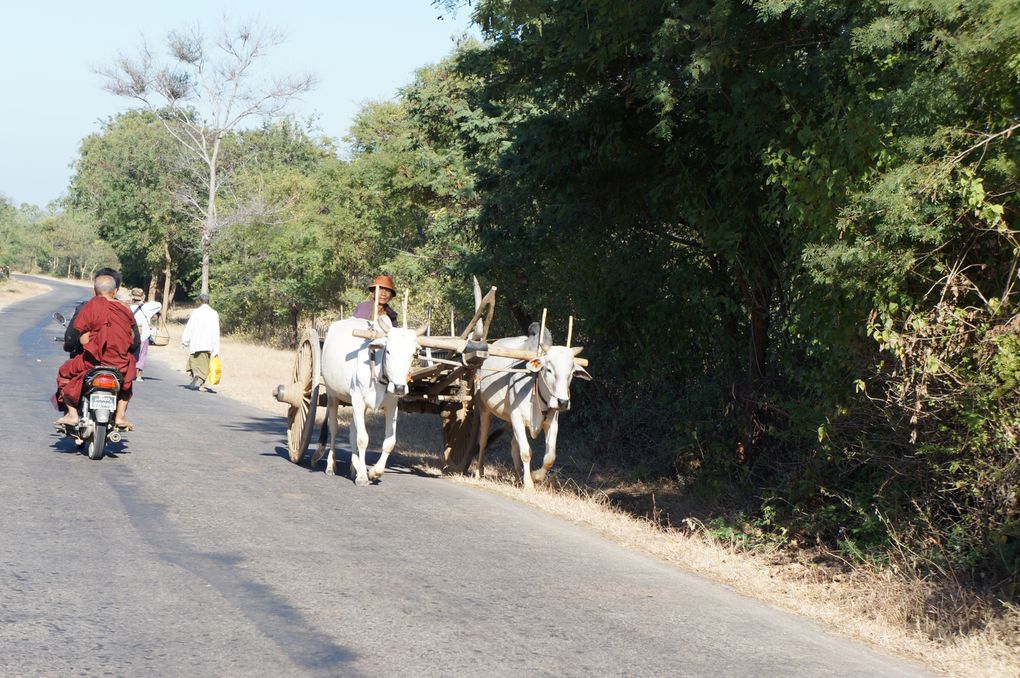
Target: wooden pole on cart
453, 331
428, 333
375, 307
541, 333
488, 302
403, 308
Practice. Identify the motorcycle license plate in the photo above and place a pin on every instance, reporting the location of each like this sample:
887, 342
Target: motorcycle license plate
102, 401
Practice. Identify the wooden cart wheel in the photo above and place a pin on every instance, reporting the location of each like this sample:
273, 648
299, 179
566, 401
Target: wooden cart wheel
303, 395
460, 437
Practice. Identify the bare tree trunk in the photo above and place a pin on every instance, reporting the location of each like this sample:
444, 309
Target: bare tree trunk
167, 276
294, 317
210, 215
205, 260
153, 284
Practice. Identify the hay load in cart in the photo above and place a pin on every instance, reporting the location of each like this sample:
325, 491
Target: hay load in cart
442, 382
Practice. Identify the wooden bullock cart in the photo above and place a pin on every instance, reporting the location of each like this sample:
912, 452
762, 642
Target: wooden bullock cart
442, 384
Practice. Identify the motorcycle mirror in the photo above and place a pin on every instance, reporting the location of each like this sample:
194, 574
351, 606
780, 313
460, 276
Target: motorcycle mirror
60, 318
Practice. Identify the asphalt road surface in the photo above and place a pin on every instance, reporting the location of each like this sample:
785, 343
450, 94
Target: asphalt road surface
198, 549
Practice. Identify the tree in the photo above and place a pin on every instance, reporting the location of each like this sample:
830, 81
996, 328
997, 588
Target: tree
208, 90
130, 177
288, 260
823, 192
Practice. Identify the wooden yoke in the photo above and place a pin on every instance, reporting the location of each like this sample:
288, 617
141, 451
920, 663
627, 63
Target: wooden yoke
457, 345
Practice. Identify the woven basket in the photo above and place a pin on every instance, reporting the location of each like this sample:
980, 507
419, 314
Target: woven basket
161, 337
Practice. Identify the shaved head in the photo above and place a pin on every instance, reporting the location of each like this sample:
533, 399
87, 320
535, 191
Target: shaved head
105, 285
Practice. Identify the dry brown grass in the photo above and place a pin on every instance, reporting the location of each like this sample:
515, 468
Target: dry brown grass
13, 291
890, 610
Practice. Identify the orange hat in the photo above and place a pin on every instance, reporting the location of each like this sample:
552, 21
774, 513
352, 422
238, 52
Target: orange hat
385, 282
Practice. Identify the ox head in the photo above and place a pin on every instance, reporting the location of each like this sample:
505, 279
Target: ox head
556, 369
399, 346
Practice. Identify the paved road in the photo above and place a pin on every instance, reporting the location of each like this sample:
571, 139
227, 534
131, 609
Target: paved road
201, 550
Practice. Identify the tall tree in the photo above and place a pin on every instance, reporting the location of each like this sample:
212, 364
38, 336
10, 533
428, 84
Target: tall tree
130, 177
209, 89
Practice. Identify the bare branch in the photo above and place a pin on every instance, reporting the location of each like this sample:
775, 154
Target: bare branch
206, 92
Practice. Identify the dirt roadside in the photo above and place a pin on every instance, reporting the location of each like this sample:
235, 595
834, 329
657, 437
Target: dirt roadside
12, 291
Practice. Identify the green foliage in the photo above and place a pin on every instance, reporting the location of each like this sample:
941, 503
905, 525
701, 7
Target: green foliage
785, 229
53, 242
826, 187
129, 179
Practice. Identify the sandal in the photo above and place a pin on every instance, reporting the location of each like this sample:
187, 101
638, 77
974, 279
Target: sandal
124, 425
65, 421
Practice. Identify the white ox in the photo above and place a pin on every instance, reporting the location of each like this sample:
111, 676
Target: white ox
352, 375
531, 401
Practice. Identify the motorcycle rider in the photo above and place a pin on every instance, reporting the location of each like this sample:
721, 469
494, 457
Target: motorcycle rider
72, 337
108, 335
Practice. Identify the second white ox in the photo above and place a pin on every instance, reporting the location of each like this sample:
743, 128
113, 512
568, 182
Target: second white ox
353, 375
531, 401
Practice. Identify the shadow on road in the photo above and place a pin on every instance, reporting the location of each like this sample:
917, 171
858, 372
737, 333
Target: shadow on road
63, 445
276, 427
269, 611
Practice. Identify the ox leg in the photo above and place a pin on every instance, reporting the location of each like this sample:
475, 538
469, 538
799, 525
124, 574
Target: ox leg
332, 405
389, 441
552, 427
523, 448
515, 455
359, 441
484, 420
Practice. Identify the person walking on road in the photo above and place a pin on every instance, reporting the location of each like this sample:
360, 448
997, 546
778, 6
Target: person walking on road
201, 339
143, 312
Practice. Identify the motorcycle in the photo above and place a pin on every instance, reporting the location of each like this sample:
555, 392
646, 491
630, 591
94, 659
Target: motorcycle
96, 409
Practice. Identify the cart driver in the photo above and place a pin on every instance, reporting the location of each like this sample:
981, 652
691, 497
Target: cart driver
387, 291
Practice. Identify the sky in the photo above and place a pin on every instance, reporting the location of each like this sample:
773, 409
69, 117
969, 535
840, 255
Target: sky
50, 98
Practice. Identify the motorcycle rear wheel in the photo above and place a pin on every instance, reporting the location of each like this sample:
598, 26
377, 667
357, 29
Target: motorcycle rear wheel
98, 442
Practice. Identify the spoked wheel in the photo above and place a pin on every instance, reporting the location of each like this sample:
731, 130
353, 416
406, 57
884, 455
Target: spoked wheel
303, 395
461, 427
98, 442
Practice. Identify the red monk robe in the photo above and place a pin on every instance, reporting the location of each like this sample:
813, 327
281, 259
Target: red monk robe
111, 332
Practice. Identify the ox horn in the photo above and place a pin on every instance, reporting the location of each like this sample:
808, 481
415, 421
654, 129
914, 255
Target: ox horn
570, 331
422, 330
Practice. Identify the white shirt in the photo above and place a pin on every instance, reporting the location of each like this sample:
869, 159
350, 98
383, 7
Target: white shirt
143, 312
202, 333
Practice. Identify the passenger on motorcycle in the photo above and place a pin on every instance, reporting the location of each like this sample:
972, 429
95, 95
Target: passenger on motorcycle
72, 337
108, 336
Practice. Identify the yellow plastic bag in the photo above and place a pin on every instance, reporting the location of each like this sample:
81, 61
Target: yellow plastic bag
215, 370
